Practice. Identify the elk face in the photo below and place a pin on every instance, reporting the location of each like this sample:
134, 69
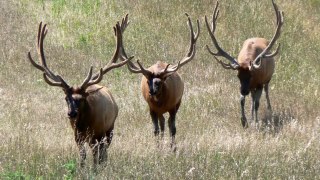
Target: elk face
155, 86
244, 75
76, 100
156, 82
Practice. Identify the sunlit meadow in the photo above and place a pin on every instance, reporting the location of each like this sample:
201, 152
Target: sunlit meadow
36, 140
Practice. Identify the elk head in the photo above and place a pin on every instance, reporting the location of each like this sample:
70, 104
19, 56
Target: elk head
246, 69
75, 96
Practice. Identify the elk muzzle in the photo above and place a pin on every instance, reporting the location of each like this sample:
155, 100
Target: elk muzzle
72, 106
155, 86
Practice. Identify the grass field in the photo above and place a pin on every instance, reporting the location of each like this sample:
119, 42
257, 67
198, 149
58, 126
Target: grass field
37, 141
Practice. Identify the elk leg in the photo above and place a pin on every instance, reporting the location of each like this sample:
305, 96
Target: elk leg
98, 151
243, 116
109, 136
266, 90
172, 125
162, 122
256, 99
252, 105
102, 152
104, 145
154, 118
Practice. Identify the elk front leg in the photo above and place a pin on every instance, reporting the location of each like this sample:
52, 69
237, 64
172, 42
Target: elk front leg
162, 122
99, 148
172, 125
266, 90
256, 95
243, 116
154, 118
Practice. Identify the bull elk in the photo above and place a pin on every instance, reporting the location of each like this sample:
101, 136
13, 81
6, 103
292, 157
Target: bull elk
255, 64
161, 85
92, 109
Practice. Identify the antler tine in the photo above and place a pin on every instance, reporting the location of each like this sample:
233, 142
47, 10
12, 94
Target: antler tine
62, 83
88, 82
220, 52
279, 16
193, 36
225, 65
123, 56
215, 16
142, 70
124, 23
118, 43
87, 79
56, 80
133, 68
116, 65
41, 35
167, 71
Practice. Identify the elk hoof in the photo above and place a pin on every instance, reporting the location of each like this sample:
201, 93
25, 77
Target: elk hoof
173, 147
244, 122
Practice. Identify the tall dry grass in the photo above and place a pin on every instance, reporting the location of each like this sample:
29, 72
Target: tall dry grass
37, 141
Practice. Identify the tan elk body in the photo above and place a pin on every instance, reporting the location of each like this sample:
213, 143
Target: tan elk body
255, 64
171, 92
92, 110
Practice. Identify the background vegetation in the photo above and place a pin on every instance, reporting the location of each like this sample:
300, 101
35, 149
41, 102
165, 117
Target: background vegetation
37, 140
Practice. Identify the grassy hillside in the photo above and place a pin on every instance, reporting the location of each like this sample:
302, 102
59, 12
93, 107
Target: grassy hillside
37, 141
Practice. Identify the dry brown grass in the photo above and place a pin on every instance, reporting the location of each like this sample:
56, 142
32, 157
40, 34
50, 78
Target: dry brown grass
37, 141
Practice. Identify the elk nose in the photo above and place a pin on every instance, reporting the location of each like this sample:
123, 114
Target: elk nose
72, 114
244, 92
152, 92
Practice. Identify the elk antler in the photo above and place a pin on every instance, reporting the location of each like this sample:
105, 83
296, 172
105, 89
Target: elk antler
190, 55
56, 80
131, 66
192, 49
263, 54
112, 63
49, 76
234, 64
